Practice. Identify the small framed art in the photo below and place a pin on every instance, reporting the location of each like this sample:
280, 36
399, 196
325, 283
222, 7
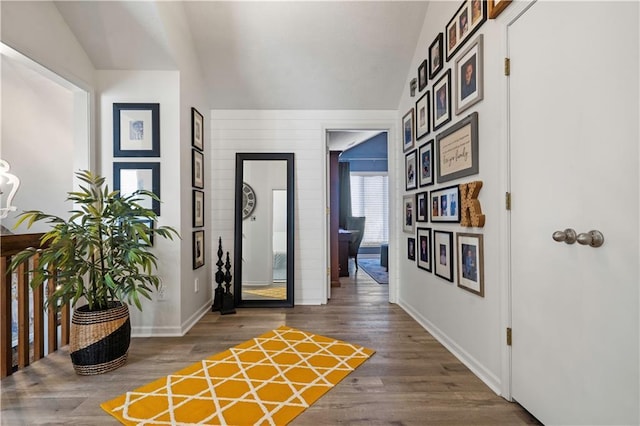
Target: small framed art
197, 129
423, 115
197, 168
442, 100
131, 177
466, 21
410, 166
408, 204
496, 7
198, 249
457, 150
469, 76
136, 130
425, 164
443, 255
422, 205
407, 131
424, 249
422, 76
198, 208
411, 248
436, 59
470, 262
445, 204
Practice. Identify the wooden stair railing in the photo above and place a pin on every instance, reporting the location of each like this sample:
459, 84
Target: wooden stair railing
9, 246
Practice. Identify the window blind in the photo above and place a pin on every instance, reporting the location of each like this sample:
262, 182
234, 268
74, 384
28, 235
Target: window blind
370, 198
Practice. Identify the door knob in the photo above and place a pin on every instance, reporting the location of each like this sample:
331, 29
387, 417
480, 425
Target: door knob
592, 238
568, 236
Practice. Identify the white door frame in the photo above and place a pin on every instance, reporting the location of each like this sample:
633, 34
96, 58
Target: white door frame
394, 200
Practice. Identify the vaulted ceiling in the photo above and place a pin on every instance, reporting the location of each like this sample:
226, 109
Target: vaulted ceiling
266, 54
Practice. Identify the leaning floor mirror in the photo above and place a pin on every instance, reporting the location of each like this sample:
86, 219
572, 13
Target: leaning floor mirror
264, 230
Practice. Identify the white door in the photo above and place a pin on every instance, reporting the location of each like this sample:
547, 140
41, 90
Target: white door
573, 104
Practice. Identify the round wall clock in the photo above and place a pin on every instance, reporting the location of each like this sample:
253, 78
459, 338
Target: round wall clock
248, 200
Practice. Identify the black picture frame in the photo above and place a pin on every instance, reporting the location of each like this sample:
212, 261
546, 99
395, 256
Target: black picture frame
443, 254
445, 204
470, 253
411, 170
462, 137
198, 208
198, 249
442, 100
422, 75
129, 177
136, 130
197, 129
408, 141
411, 248
409, 212
423, 115
465, 22
422, 206
469, 76
436, 56
197, 169
424, 249
426, 164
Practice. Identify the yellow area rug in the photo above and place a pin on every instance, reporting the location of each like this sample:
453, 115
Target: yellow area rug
272, 292
268, 380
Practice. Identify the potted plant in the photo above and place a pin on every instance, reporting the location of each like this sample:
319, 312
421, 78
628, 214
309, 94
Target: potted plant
101, 260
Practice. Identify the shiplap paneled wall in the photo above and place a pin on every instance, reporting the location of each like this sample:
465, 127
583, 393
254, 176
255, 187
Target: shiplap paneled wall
300, 132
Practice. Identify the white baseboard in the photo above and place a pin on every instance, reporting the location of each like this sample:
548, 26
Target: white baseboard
476, 367
172, 331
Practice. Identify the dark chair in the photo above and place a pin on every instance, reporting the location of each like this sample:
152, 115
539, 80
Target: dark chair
355, 224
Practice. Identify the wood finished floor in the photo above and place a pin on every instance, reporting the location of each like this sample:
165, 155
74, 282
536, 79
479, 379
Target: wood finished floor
411, 380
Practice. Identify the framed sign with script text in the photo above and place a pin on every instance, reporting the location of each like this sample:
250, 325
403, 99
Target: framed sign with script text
457, 150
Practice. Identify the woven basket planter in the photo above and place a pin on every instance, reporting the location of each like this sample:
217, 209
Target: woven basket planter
99, 340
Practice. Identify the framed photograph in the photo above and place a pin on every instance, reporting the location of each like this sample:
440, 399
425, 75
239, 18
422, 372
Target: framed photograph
422, 206
457, 150
469, 76
424, 249
422, 76
445, 204
411, 249
466, 21
407, 131
198, 208
496, 7
423, 115
136, 130
425, 164
408, 203
442, 100
130, 177
443, 255
197, 129
197, 168
436, 58
410, 168
151, 224
198, 249
470, 262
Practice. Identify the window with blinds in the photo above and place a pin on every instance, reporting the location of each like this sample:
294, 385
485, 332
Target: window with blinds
370, 198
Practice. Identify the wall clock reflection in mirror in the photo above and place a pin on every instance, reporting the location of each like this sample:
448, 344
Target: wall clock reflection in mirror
248, 200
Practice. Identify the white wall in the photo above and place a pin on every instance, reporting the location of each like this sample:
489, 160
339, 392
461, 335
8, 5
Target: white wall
468, 325
163, 87
300, 132
37, 141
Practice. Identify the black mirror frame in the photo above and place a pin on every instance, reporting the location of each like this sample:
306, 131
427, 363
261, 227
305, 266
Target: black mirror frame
237, 279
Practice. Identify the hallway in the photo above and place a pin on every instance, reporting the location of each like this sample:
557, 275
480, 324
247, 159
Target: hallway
411, 380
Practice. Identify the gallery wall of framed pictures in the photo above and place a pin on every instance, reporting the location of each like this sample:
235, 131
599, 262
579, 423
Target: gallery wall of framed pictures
441, 147
197, 182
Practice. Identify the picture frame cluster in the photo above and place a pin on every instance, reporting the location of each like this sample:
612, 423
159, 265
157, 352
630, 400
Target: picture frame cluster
197, 192
440, 135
